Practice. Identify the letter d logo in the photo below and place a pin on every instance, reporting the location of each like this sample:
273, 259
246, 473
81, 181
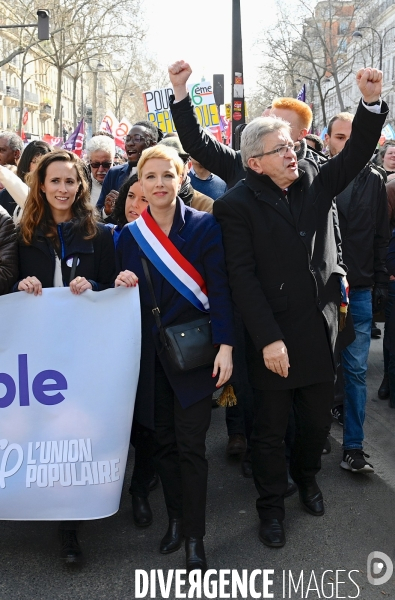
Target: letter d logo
376, 563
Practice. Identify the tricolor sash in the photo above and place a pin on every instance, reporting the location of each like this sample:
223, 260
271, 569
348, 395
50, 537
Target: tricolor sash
169, 261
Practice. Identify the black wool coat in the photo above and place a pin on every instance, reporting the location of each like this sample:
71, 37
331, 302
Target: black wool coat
283, 263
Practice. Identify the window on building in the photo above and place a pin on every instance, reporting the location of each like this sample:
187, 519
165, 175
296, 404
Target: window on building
343, 27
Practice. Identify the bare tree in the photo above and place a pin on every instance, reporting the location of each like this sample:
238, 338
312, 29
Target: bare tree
309, 44
12, 55
86, 30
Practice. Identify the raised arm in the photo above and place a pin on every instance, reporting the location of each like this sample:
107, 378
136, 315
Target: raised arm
214, 156
337, 173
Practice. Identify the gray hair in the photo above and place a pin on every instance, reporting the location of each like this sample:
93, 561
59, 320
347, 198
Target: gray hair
252, 142
14, 141
101, 142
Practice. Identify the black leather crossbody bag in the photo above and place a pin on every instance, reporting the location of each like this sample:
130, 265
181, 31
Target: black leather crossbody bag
188, 345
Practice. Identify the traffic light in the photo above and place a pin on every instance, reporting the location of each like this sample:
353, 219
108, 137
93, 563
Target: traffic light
43, 24
218, 85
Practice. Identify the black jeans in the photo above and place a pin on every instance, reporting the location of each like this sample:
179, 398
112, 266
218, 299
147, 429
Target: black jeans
180, 454
312, 406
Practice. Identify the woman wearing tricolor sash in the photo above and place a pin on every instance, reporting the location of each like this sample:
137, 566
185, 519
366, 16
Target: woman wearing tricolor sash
185, 258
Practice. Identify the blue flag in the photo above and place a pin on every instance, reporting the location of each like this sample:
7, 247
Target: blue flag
302, 94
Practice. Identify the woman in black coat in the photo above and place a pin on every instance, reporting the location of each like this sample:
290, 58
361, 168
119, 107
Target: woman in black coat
59, 228
61, 244
177, 404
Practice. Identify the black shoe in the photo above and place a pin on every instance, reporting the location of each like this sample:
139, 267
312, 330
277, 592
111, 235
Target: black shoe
271, 533
311, 499
236, 445
291, 488
142, 513
154, 482
354, 460
195, 556
71, 551
375, 332
246, 466
384, 389
327, 447
172, 540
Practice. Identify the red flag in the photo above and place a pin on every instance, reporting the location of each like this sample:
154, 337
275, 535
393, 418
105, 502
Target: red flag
55, 142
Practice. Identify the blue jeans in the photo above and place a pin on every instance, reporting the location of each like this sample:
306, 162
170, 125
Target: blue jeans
355, 365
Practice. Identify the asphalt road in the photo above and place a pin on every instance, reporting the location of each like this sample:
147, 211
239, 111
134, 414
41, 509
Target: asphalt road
359, 519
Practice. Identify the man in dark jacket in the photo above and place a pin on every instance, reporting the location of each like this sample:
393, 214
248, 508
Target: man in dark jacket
227, 164
283, 267
364, 227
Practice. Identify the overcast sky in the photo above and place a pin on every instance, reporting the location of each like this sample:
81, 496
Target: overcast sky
200, 33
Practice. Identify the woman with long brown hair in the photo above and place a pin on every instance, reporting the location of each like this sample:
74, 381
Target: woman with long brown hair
61, 244
59, 235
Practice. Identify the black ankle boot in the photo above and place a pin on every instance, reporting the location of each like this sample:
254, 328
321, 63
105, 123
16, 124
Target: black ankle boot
172, 540
142, 513
71, 551
384, 389
195, 556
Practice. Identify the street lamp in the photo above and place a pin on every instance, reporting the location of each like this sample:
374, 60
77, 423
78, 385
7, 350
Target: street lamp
94, 95
358, 34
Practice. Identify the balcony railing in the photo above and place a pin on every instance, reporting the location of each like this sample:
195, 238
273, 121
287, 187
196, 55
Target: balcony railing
13, 92
31, 97
45, 109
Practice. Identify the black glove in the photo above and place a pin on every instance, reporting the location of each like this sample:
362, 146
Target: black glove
379, 297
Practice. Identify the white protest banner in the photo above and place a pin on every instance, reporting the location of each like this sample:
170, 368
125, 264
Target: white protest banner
69, 368
157, 107
121, 131
109, 123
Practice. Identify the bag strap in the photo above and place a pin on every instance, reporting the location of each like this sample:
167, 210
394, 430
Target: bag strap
155, 310
73, 267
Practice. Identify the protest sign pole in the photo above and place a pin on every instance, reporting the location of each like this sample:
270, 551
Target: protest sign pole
237, 76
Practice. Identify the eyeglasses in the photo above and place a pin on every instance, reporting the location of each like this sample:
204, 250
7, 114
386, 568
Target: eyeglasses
282, 150
135, 138
105, 165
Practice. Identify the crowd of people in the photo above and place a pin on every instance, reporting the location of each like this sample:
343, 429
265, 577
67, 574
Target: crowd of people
278, 253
